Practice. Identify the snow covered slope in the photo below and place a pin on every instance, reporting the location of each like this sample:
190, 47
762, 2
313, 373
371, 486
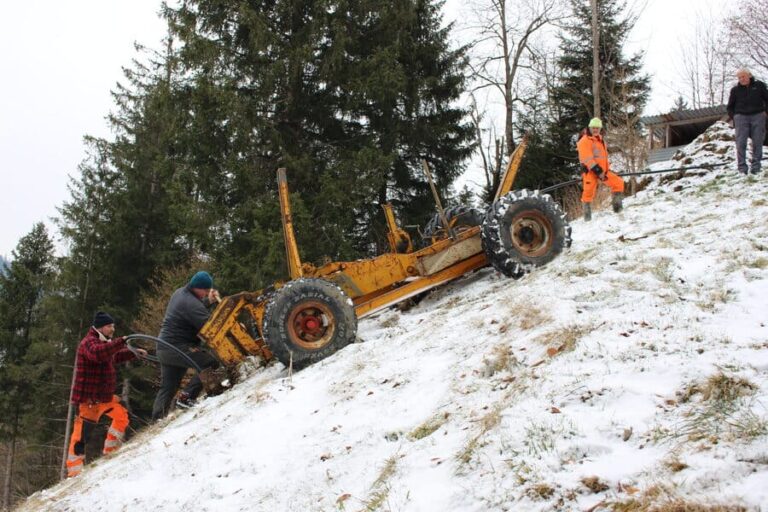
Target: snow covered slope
632, 370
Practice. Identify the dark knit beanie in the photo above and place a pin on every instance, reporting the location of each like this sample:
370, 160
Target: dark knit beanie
202, 280
101, 319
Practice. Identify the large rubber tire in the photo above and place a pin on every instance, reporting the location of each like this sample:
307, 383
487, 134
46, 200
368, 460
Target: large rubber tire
459, 218
308, 320
522, 230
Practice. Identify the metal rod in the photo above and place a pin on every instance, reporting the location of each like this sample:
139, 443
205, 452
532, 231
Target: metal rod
439, 205
677, 169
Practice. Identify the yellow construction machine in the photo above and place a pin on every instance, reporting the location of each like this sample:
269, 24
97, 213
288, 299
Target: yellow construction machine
315, 314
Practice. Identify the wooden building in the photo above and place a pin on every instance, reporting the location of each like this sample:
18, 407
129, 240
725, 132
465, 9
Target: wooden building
668, 132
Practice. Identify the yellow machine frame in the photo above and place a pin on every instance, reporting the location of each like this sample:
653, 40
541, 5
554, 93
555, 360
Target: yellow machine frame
372, 284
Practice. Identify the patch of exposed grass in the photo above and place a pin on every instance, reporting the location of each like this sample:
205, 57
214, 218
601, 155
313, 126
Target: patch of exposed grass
716, 296
759, 202
486, 423
534, 317
629, 283
565, 338
661, 270
594, 484
527, 313
585, 255
675, 465
540, 491
583, 271
759, 262
539, 439
501, 358
659, 499
721, 412
718, 387
390, 322
521, 469
429, 427
707, 188
380, 488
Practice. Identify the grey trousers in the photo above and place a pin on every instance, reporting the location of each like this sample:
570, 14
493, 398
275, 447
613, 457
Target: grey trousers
172, 370
749, 127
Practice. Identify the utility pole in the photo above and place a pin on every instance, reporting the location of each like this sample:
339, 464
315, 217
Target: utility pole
595, 61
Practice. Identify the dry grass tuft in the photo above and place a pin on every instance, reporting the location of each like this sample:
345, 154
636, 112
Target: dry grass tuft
675, 465
719, 387
759, 262
662, 270
540, 491
594, 484
565, 338
429, 427
381, 487
678, 505
389, 322
527, 314
500, 359
534, 317
722, 413
486, 423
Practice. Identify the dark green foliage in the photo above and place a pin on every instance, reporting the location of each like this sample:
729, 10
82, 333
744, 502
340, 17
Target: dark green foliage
348, 96
27, 356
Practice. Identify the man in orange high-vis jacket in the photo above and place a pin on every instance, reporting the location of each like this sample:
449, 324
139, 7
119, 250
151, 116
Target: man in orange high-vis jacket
94, 387
593, 157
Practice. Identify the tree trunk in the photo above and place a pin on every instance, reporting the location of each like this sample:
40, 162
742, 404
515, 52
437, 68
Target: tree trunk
7, 497
8, 475
595, 61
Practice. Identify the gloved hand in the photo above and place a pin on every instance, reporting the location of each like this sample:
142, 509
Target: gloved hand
597, 170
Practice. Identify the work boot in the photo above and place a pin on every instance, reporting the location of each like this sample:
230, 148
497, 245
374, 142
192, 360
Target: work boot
616, 201
587, 207
185, 401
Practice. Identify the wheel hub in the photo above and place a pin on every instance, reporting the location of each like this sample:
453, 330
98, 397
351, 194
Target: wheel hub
531, 233
310, 325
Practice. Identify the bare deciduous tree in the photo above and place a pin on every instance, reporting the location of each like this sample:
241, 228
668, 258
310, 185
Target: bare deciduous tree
706, 58
502, 51
748, 28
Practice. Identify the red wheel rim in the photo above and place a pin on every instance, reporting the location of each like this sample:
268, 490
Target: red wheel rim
311, 325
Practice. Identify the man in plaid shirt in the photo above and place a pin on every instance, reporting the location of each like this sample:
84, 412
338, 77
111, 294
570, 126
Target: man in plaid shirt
94, 387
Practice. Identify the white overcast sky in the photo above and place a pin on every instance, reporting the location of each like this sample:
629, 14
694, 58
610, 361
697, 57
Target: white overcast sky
60, 59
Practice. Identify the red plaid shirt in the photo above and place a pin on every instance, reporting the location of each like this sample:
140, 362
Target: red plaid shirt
95, 376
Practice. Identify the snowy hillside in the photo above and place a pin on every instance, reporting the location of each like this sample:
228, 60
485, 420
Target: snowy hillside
630, 372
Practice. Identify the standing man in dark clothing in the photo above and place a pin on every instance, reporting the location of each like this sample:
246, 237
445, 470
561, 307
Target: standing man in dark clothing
93, 390
747, 107
185, 315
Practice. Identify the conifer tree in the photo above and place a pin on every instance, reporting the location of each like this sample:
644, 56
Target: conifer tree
348, 96
22, 289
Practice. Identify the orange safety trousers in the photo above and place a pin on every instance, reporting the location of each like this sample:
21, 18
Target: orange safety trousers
92, 413
590, 179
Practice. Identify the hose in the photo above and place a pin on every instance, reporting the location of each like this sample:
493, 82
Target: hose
658, 171
154, 359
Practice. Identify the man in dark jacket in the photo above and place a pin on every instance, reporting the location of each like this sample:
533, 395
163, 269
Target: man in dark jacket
187, 312
747, 107
94, 387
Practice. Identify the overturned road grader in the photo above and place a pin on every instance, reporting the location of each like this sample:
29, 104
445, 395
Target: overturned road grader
315, 313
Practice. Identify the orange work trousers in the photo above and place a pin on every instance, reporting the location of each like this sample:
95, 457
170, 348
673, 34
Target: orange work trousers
590, 179
88, 415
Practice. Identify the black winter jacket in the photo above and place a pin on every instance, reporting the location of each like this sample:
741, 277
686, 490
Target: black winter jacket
748, 99
184, 317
